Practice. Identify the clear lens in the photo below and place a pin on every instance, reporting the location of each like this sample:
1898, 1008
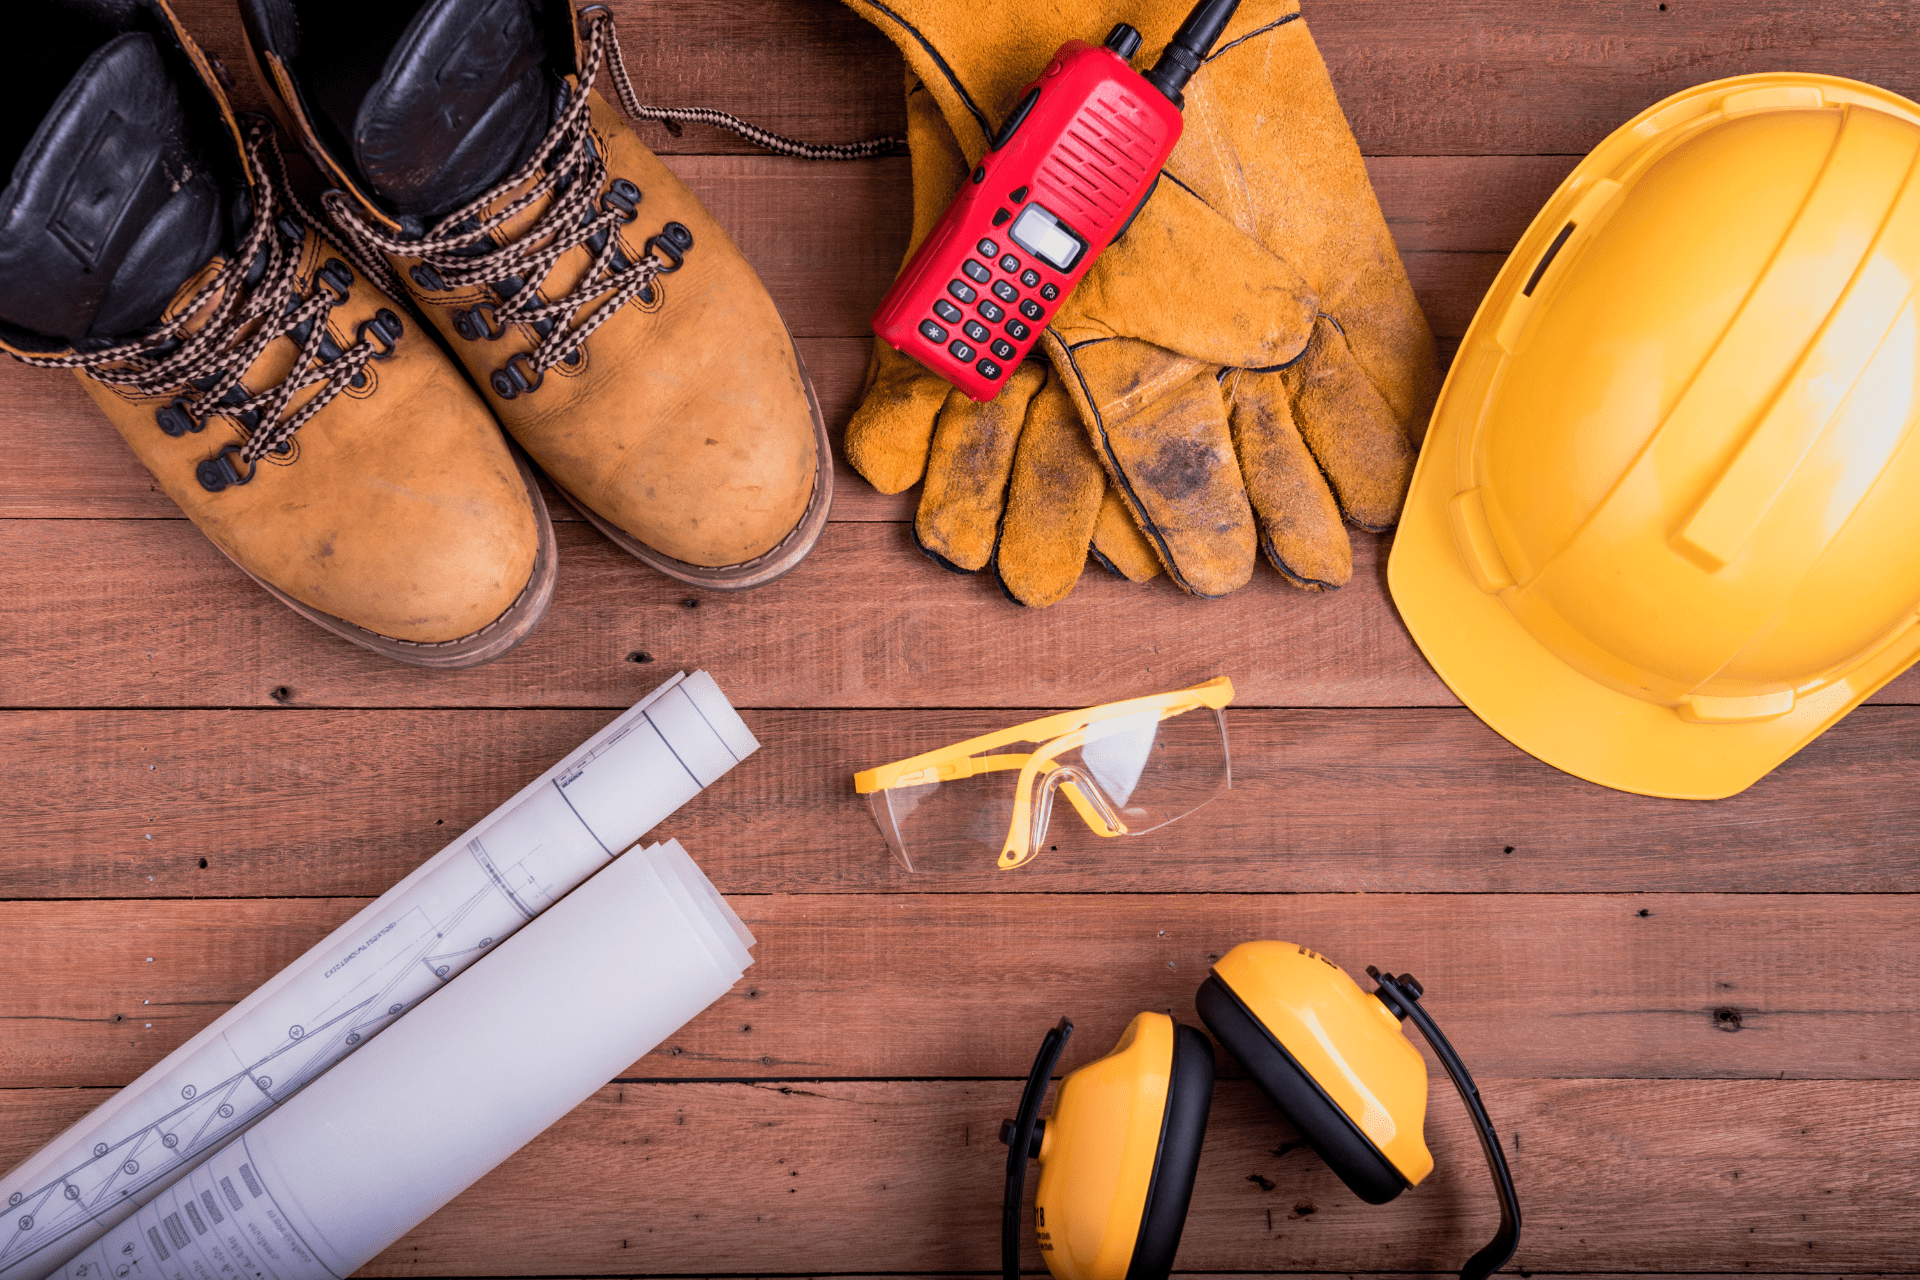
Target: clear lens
1133, 772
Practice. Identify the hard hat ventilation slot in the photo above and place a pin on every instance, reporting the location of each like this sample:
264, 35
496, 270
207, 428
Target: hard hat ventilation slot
1547, 259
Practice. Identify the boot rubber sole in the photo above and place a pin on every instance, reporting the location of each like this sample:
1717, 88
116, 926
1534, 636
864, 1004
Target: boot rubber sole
769, 564
495, 639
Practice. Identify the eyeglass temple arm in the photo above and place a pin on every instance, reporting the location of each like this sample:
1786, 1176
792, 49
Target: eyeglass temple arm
1018, 1134
1402, 995
1215, 693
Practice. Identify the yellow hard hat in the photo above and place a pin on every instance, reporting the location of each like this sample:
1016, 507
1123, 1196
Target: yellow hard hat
1665, 527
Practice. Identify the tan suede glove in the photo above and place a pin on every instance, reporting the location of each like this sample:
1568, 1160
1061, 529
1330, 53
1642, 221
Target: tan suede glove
1317, 412
1013, 483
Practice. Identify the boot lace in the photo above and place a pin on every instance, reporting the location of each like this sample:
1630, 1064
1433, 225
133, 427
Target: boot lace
252, 300
463, 250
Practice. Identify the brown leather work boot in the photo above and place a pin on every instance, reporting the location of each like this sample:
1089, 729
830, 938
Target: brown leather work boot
617, 331
326, 445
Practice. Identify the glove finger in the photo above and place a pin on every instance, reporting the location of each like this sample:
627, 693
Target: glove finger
1119, 544
888, 435
1300, 528
1052, 502
1187, 280
967, 472
1171, 458
1353, 431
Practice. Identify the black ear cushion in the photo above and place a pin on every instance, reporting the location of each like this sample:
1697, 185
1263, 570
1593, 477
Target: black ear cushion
1182, 1127
1327, 1129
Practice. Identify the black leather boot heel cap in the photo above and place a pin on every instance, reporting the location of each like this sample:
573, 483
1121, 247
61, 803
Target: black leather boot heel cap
1183, 1126
1327, 1129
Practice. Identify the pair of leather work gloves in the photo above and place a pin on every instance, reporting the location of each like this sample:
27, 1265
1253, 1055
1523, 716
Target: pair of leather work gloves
1246, 365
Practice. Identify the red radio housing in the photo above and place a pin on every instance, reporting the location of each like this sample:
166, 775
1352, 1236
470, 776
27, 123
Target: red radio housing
1068, 170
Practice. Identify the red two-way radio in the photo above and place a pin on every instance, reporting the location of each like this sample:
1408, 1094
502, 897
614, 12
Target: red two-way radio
1071, 166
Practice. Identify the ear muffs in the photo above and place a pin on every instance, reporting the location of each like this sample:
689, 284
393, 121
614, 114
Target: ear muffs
1118, 1156
1327, 1129
1189, 1095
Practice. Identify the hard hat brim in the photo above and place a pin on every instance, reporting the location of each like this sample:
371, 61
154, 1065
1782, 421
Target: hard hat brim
1499, 669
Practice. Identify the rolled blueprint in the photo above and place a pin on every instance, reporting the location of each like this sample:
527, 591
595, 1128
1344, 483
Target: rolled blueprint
453, 909
315, 1190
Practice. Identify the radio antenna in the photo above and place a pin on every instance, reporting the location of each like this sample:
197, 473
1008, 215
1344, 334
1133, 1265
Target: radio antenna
1189, 48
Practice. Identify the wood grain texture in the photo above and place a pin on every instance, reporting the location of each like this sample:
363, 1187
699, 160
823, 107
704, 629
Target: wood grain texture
125, 804
737, 1178
827, 239
1421, 77
943, 985
147, 613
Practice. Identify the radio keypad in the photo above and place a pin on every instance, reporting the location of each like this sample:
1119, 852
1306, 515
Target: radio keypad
977, 333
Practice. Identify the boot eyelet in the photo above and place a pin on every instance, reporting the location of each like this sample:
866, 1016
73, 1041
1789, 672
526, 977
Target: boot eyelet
427, 278
571, 360
624, 197
218, 472
336, 275
291, 229
480, 324
674, 241
510, 381
176, 419
382, 332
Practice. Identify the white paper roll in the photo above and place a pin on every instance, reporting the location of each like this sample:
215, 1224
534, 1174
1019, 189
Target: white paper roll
361, 1156
348, 989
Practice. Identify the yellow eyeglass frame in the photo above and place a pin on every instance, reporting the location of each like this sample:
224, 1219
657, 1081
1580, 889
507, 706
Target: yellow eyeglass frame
1056, 735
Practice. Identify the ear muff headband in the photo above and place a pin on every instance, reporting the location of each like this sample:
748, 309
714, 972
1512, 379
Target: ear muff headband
1327, 1128
1021, 1146
1183, 1126
1402, 995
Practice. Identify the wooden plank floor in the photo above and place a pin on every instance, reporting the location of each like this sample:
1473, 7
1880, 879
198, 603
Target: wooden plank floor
1694, 1023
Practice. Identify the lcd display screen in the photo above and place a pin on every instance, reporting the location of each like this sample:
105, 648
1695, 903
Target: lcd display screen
1047, 238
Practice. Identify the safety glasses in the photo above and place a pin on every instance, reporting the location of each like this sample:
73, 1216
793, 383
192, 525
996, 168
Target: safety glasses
1126, 768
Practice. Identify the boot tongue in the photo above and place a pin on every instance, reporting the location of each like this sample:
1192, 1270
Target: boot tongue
462, 101
109, 209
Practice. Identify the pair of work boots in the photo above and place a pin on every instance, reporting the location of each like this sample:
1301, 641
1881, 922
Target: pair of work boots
261, 367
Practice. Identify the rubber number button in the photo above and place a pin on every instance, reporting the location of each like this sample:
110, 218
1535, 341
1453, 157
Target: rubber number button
975, 271
975, 330
961, 291
960, 350
1029, 277
1004, 291
1003, 348
989, 310
1049, 291
932, 332
1031, 309
946, 311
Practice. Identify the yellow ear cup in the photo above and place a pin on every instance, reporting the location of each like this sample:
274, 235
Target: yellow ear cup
1331, 1056
1118, 1155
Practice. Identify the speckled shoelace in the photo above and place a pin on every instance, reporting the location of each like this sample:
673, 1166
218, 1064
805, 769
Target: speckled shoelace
459, 252
252, 300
